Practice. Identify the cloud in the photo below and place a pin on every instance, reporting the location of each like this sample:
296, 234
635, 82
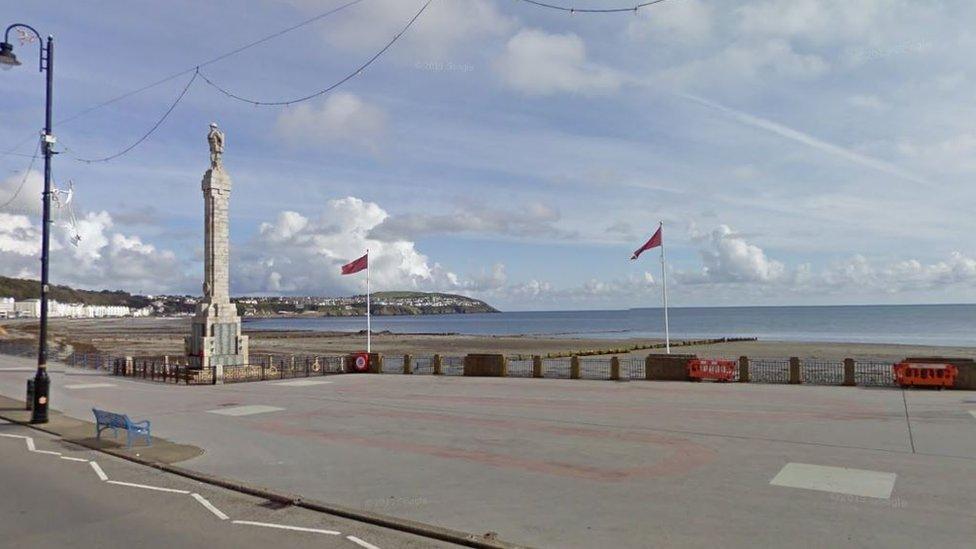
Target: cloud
900, 276
22, 195
445, 27
102, 259
747, 63
808, 140
728, 257
340, 118
539, 63
529, 221
295, 254
688, 21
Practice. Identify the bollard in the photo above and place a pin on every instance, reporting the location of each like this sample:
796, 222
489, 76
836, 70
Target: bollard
574, 367
407, 365
615, 368
743, 369
437, 365
795, 371
30, 395
849, 380
537, 366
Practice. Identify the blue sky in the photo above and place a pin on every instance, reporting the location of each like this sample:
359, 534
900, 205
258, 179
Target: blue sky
799, 152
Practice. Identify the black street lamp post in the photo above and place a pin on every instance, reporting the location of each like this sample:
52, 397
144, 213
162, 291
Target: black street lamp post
42, 382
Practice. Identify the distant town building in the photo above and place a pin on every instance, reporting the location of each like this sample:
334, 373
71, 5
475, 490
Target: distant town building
31, 308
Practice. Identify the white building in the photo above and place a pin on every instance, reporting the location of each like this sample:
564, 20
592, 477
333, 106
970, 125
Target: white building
31, 308
7, 307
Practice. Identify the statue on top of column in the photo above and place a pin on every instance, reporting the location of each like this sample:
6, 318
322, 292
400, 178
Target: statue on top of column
216, 140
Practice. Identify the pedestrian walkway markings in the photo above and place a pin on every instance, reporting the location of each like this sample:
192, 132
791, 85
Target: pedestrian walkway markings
302, 383
248, 410
89, 385
839, 480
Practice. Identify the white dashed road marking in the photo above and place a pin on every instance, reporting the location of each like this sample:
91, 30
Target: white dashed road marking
839, 480
210, 507
302, 383
361, 543
245, 410
147, 487
240, 410
89, 385
98, 471
973, 413
286, 527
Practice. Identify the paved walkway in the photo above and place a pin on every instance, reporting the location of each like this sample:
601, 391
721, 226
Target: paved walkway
568, 463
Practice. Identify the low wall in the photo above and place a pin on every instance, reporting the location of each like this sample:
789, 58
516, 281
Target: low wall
485, 365
667, 367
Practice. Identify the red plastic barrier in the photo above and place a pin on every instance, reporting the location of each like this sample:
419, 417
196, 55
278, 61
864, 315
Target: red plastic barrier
911, 374
718, 370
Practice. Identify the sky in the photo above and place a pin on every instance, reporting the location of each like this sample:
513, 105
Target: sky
798, 151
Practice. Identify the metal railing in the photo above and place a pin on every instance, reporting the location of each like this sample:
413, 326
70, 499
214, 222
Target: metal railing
520, 367
557, 368
634, 368
876, 373
452, 365
423, 365
769, 370
822, 372
594, 368
392, 364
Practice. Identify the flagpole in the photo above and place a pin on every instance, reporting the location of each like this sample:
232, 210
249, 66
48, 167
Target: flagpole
369, 330
664, 280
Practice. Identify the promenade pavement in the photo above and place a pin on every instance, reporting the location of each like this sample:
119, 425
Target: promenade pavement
575, 463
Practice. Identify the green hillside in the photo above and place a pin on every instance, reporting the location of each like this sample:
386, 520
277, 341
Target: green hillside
21, 289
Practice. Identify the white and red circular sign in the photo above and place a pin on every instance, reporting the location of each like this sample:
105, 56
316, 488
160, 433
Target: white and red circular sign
362, 362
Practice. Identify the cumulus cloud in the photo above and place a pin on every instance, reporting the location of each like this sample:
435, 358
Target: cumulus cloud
22, 192
301, 255
527, 221
340, 118
728, 257
102, 258
536, 62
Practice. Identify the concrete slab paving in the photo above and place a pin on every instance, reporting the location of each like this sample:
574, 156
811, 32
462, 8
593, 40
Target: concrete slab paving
837, 480
569, 463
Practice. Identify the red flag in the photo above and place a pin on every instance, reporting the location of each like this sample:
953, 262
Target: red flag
654, 242
356, 266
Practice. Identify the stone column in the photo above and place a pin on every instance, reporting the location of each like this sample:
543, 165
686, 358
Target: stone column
849, 379
795, 370
615, 368
574, 367
743, 369
216, 339
537, 366
437, 365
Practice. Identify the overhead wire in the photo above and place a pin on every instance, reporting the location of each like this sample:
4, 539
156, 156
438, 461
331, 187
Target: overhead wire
331, 87
23, 181
634, 8
145, 136
194, 69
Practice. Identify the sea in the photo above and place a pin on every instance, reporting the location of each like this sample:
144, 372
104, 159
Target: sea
950, 325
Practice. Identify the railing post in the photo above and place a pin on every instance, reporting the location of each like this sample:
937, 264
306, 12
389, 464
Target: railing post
574, 367
648, 371
407, 365
614, 368
743, 369
537, 366
849, 379
437, 365
795, 378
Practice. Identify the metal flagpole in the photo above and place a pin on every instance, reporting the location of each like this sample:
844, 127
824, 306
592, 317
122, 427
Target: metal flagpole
664, 280
369, 330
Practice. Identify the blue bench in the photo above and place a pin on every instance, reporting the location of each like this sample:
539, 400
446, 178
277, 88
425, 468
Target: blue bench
111, 420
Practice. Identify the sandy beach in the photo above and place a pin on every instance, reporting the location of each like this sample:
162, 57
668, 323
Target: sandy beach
160, 336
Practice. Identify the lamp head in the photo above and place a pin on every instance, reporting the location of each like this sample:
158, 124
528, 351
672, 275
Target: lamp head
7, 58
